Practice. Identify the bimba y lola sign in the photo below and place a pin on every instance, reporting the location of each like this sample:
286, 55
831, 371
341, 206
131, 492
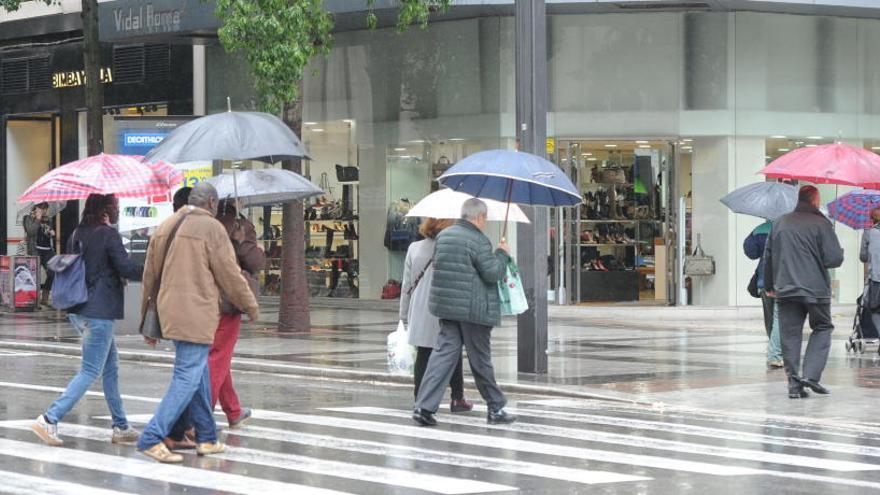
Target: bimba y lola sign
75, 78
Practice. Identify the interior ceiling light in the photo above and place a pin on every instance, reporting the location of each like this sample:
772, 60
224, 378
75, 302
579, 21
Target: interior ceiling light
399, 149
687, 140
348, 121
456, 139
645, 146
784, 150
875, 148
814, 137
310, 123
417, 141
317, 130
641, 142
778, 137
592, 159
611, 146
812, 145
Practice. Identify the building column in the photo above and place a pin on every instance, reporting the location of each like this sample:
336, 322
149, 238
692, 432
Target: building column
200, 94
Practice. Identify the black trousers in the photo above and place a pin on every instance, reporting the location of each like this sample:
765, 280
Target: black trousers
792, 315
456, 383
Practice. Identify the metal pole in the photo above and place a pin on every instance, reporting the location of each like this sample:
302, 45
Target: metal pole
531, 128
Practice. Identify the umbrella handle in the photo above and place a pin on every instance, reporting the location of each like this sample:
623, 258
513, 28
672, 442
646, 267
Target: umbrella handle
507, 213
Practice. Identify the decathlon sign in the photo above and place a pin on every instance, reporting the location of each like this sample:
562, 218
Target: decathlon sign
139, 143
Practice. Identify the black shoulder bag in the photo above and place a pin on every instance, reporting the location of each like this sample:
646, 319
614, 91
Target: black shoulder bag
150, 325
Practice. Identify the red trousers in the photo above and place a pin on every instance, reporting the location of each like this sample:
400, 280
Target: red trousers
219, 364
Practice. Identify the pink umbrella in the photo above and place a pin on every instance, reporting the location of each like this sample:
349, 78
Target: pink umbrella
828, 164
123, 175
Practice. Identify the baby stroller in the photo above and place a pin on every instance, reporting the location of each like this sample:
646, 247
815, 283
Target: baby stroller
864, 331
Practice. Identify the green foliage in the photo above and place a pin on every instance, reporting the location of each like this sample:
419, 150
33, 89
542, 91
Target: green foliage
13, 5
278, 38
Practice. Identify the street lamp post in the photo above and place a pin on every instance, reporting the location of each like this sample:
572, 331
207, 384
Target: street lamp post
531, 132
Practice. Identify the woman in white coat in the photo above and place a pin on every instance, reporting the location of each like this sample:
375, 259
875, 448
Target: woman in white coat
423, 327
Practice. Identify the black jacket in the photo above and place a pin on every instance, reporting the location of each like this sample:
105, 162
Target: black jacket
107, 264
801, 248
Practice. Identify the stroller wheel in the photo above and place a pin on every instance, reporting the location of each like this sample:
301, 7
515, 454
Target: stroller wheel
860, 346
848, 345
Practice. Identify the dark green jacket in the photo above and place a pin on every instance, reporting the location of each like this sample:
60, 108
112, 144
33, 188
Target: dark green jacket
466, 275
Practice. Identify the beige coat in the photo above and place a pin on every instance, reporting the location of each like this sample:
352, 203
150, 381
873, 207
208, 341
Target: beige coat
200, 264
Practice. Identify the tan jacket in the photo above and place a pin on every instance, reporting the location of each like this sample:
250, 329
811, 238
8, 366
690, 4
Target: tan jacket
200, 264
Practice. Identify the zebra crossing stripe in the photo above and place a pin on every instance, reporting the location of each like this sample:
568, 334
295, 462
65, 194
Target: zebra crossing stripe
421, 454
509, 444
375, 474
701, 431
91, 393
632, 441
17, 483
151, 470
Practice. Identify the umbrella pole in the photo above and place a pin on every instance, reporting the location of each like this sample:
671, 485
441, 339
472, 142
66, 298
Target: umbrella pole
507, 213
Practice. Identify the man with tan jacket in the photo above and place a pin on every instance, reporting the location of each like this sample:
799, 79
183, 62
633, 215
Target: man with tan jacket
200, 264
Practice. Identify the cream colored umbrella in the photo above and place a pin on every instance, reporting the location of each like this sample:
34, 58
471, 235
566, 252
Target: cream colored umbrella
447, 203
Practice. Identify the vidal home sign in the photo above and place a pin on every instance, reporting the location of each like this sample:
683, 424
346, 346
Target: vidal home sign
132, 19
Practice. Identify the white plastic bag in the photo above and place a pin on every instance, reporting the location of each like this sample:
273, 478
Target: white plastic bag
400, 353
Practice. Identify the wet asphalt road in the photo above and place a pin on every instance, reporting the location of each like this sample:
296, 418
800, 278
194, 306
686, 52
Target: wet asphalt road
313, 436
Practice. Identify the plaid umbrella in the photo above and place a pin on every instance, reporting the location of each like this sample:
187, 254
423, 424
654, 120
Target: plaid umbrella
123, 175
853, 209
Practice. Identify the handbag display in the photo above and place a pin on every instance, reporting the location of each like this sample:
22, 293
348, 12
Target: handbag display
699, 264
150, 326
346, 173
69, 288
391, 290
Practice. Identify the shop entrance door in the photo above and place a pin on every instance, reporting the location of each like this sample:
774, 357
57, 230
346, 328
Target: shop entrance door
617, 247
31, 151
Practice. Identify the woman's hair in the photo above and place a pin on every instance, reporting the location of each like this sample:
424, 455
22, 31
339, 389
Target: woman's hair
433, 226
40, 206
875, 214
98, 205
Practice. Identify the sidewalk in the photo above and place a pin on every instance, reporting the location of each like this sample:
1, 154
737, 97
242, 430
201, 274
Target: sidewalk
709, 359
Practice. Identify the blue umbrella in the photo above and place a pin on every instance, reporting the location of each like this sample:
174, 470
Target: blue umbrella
512, 176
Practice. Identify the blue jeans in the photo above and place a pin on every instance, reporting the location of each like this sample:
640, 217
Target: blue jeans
189, 393
774, 345
99, 358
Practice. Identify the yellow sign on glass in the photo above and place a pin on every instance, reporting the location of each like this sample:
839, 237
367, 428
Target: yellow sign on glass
551, 146
193, 176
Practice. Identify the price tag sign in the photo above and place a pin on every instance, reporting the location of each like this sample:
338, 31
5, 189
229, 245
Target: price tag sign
193, 176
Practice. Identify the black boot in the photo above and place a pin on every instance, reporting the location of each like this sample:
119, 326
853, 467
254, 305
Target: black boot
796, 388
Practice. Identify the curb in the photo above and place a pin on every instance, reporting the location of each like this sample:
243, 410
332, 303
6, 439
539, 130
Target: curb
325, 373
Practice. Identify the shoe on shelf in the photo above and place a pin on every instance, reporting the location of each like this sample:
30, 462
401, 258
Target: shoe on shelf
185, 444
814, 386
499, 417
245, 415
208, 448
461, 405
48, 432
423, 417
160, 453
125, 435
776, 363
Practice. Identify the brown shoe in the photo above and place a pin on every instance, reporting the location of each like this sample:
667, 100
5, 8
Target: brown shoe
185, 444
47, 431
160, 453
210, 448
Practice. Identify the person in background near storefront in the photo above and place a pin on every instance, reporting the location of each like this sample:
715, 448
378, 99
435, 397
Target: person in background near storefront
464, 295
251, 259
199, 265
754, 249
870, 254
40, 242
107, 264
802, 247
423, 327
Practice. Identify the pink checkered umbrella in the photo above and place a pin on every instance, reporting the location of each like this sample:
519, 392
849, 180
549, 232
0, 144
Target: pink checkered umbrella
123, 175
837, 163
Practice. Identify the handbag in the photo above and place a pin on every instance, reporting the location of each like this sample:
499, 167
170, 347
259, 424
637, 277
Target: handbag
753, 286
150, 326
346, 173
699, 264
391, 290
69, 288
613, 176
400, 353
874, 296
511, 292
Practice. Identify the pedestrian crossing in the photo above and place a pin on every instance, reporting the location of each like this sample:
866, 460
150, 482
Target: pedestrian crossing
364, 450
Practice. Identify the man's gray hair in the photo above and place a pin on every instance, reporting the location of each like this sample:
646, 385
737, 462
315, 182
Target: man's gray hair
202, 195
473, 209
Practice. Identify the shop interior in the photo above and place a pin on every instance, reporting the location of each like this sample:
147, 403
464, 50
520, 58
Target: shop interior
615, 245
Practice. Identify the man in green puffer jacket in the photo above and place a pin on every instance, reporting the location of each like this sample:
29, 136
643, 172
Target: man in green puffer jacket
464, 295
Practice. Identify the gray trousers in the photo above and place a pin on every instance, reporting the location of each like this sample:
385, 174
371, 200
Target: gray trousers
446, 356
791, 323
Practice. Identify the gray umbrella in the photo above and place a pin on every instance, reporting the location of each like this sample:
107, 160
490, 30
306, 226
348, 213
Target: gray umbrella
266, 186
768, 200
54, 208
230, 136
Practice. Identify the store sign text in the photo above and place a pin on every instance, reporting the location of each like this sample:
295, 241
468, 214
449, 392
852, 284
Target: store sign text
148, 19
72, 79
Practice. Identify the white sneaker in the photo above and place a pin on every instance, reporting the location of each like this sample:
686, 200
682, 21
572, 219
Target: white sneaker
127, 435
47, 431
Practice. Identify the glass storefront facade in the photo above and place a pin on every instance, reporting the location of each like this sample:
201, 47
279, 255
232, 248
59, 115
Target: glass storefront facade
701, 99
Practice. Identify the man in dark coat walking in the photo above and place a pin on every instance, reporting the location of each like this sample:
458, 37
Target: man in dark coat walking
801, 248
464, 295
